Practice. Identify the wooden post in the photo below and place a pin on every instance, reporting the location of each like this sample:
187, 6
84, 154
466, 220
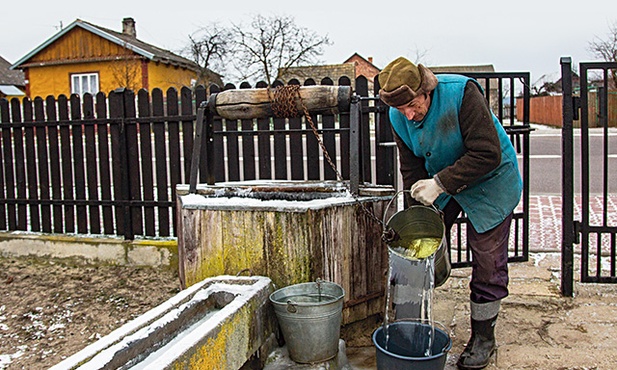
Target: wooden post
256, 103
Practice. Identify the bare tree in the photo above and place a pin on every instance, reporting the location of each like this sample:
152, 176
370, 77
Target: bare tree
209, 47
269, 46
126, 70
607, 49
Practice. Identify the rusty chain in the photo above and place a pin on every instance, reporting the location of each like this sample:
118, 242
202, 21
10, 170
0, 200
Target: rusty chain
284, 105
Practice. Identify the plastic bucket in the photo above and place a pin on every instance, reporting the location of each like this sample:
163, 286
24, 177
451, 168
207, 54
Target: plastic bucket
309, 315
407, 344
421, 222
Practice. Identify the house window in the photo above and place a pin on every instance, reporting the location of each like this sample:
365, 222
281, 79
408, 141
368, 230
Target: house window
85, 83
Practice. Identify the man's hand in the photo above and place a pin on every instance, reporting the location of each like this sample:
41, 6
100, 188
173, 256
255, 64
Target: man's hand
426, 191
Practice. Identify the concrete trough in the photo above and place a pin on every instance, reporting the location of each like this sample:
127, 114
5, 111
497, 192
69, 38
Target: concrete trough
218, 323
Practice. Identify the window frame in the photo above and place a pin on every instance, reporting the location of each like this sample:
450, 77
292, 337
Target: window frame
79, 78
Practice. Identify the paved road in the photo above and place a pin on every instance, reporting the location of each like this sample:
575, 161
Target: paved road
546, 156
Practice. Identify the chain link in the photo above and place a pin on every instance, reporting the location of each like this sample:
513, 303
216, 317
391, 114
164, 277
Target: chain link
284, 105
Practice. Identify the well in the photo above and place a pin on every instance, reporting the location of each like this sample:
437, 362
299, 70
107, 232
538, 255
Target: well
291, 231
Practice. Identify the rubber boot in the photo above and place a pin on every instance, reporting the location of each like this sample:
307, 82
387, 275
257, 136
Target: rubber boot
481, 345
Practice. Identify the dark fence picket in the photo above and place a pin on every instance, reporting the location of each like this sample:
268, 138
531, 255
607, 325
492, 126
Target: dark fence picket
219, 158
4, 197
313, 150
66, 152
329, 138
280, 140
91, 171
145, 146
233, 148
78, 165
118, 149
103, 129
344, 125
54, 163
186, 147
42, 164
161, 157
133, 166
384, 150
31, 165
248, 145
365, 134
173, 132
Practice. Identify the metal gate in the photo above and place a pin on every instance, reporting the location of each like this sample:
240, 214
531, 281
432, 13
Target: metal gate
596, 231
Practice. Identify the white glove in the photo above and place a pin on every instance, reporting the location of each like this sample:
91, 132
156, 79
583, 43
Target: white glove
426, 191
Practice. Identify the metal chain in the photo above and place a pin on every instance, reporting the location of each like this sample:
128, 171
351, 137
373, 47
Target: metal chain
283, 102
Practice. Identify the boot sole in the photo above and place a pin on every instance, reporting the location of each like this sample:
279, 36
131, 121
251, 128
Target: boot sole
475, 367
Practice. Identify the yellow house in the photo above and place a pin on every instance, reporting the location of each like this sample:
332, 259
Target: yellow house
86, 58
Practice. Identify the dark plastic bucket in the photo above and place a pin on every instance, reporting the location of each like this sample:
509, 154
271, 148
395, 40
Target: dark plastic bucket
407, 346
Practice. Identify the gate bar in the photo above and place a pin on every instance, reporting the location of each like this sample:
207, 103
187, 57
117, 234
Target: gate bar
567, 181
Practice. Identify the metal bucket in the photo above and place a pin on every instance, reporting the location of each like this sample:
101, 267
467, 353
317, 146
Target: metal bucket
309, 315
407, 345
420, 222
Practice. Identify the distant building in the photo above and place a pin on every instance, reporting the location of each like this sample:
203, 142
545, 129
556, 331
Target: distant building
86, 58
462, 69
349, 70
12, 83
364, 67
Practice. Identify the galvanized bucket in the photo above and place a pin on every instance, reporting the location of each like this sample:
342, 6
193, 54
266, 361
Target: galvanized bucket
309, 315
419, 222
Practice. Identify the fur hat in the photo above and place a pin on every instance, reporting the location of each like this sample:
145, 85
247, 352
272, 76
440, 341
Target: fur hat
401, 81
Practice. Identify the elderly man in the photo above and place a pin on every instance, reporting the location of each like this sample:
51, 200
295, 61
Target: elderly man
454, 154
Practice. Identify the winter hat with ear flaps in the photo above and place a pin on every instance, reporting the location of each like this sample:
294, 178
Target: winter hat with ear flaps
401, 81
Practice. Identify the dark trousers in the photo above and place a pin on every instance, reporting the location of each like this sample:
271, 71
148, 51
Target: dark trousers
489, 252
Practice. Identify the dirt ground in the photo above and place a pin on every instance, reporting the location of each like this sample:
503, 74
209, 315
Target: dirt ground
50, 309
537, 327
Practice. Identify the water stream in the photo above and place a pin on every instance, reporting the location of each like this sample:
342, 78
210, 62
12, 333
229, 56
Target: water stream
409, 297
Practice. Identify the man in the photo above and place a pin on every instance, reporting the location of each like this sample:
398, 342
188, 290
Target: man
455, 154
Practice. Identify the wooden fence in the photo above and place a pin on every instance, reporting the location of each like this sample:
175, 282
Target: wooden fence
109, 165
547, 110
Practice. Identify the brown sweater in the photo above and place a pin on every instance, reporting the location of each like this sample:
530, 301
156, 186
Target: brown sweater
482, 155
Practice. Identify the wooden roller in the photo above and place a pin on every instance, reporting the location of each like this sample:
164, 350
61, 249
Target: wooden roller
257, 103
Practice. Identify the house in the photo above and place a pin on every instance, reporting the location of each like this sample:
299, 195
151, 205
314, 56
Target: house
12, 83
86, 58
364, 67
482, 68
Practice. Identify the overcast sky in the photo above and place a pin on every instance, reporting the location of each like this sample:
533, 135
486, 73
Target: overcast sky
514, 36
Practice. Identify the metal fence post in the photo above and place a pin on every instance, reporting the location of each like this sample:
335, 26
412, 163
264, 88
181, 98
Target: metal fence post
567, 254
354, 145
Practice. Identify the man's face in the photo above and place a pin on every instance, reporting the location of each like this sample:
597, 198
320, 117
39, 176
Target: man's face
416, 109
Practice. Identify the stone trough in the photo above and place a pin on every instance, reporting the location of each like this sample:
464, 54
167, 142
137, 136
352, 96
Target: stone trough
218, 323
291, 231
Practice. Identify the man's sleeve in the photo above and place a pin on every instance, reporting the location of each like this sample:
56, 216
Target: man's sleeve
412, 168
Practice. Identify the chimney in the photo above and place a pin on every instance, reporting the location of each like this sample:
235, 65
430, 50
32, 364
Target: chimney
370, 60
128, 27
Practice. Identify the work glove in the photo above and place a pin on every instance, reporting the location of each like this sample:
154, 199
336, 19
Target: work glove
426, 191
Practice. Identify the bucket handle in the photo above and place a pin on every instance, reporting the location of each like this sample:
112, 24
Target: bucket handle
389, 235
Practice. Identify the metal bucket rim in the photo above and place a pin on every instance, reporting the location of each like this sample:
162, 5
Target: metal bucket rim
336, 299
443, 352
